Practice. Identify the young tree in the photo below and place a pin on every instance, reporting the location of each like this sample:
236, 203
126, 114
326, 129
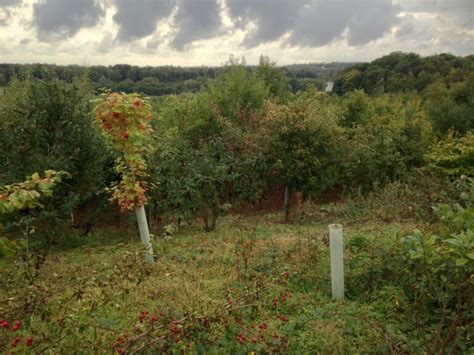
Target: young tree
206, 163
125, 123
303, 142
46, 124
238, 94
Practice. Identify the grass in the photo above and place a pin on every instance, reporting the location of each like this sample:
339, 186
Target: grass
218, 289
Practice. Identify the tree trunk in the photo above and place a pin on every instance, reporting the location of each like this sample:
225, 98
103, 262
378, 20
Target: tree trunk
286, 203
144, 233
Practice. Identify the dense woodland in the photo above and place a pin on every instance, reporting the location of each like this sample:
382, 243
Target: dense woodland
389, 153
166, 80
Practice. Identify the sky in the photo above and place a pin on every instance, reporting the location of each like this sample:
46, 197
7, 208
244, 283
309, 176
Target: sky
207, 32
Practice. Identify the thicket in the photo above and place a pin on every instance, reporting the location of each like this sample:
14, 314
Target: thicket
243, 135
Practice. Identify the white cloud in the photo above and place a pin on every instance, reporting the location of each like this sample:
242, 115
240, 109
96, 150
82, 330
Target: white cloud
205, 32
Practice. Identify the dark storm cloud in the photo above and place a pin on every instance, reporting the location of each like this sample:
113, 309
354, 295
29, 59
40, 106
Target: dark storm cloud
327, 20
56, 19
370, 20
272, 18
138, 18
314, 23
459, 12
6, 3
195, 20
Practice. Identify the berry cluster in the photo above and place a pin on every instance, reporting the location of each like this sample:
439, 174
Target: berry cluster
15, 328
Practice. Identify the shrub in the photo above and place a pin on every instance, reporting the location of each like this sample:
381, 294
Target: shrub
439, 269
302, 143
204, 163
46, 124
453, 156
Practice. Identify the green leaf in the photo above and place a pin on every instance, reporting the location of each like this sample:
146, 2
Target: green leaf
461, 261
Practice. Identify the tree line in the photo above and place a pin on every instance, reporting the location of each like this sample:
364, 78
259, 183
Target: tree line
164, 80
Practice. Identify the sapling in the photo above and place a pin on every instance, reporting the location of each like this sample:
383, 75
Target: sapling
125, 123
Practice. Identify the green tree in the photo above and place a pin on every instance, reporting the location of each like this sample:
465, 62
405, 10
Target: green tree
303, 144
46, 124
238, 93
393, 137
451, 107
357, 108
205, 163
275, 80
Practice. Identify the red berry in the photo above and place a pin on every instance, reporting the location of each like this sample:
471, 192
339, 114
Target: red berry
154, 319
15, 341
263, 326
241, 338
119, 350
5, 324
254, 340
29, 341
143, 316
16, 326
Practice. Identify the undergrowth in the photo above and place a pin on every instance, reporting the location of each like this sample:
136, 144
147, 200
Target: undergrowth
253, 285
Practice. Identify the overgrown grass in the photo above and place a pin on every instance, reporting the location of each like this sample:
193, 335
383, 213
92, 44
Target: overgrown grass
254, 284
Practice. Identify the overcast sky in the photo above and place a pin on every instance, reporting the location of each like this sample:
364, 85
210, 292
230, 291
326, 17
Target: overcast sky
206, 32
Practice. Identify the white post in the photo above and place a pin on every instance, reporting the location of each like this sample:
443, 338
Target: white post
336, 248
144, 233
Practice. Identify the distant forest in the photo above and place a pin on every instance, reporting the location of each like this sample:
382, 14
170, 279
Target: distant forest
404, 72
396, 72
167, 80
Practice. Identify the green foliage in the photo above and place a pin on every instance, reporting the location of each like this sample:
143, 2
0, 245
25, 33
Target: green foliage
204, 163
45, 124
453, 156
403, 72
303, 142
166, 80
440, 268
451, 107
275, 80
238, 94
387, 136
357, 108
27, 194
